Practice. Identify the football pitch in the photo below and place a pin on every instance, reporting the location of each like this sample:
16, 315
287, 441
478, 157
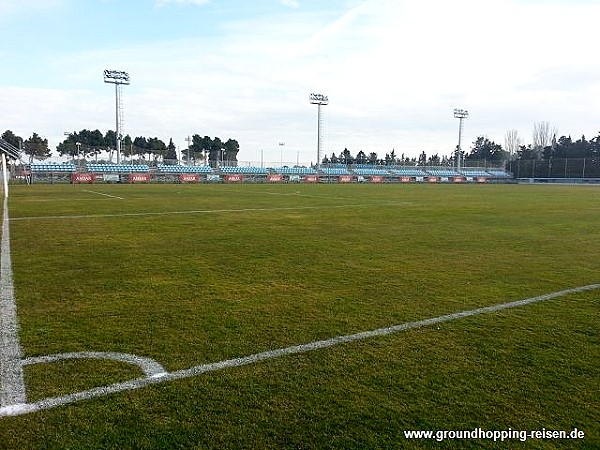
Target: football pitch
301, 316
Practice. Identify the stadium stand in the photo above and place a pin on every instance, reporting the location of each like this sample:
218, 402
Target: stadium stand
334, 171
369, 171
117, 168
443, 173
474, 172
53, 168
294, 170
177, 169
408, 172
246, 170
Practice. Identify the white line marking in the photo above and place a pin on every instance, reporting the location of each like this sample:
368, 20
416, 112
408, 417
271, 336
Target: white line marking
150, 367
12, 385
102, 193
53, 402
205, 211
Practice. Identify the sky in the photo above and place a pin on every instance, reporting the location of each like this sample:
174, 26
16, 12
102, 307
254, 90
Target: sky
393, 70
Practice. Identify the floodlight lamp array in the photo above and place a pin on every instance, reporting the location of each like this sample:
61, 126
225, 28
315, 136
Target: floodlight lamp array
319, 99
461, 113
116, 76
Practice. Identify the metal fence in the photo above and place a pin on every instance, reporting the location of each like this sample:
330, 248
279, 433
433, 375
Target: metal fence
567, 168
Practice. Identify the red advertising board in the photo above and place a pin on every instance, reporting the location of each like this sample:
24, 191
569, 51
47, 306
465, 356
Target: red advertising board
405, 179
459, 179
82, 178
433, 179
189, 178
345, 179
481, 179
376, 179
139, 178
274, 178
311, 179
234, 178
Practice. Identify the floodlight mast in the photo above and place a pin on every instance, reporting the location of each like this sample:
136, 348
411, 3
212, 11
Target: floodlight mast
319, 100
118, 78
459, 114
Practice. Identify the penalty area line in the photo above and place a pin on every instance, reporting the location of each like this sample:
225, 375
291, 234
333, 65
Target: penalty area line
104, 194
206, 211
271, 354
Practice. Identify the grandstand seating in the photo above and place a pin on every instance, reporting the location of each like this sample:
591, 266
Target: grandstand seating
335, 171
474, 172
443, 173
165, 168
246, 170
53, 167
408, 172
294, 170
117, 168
369, 171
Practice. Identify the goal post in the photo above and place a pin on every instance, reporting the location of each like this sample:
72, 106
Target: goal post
4, 176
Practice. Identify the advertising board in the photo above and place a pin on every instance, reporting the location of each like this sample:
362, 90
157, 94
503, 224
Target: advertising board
189, 178
234, 178
139, 178
82, 178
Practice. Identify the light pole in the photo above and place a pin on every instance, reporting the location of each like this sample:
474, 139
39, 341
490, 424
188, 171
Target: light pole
319, 100
67, 133
459, 114
117, 78
281, 145
78, 144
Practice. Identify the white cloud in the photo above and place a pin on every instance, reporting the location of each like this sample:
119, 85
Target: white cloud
393, 70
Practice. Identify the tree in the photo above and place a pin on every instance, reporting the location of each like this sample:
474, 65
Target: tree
392, 159
484, 149
126, 146
526, 152
200, 147
232, 148
214, 152
512, 141
361, 158
346, 157
171, 153
156, 149
422, 159
36, 147
140, 146
542, 137
434, 160
110, 139
84, 143
12, 139
372, 158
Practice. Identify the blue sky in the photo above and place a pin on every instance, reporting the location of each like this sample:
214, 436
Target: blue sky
393, 70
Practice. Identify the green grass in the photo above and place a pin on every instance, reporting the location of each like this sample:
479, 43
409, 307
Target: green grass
189, 274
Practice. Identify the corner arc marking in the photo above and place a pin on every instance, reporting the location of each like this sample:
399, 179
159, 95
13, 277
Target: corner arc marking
150, 367
163, 377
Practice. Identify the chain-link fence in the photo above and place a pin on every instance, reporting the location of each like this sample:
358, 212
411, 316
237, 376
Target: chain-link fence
563, 168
